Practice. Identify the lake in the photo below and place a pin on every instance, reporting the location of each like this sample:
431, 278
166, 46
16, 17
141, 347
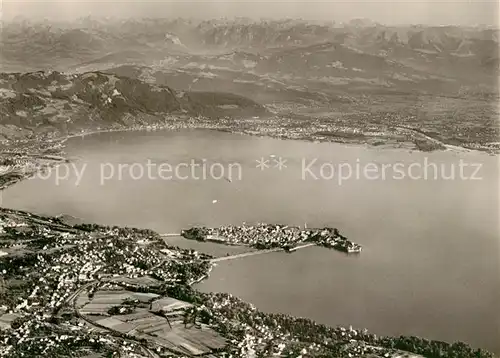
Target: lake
430, 264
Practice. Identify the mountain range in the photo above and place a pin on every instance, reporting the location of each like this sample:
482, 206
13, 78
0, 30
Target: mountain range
89, 37
446, 77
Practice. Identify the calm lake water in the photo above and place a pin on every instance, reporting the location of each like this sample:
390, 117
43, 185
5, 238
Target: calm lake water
430, 263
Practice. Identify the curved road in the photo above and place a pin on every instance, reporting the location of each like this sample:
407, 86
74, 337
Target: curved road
71, 300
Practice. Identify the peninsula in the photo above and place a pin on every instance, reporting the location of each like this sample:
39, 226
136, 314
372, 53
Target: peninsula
95, 291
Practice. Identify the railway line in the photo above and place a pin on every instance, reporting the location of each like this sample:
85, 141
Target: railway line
254, 253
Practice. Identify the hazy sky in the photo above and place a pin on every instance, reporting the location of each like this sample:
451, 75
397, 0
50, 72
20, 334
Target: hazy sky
388, 12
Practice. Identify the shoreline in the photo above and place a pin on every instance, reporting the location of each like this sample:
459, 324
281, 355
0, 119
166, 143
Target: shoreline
168, 127
58, 159
360, 145
62, 140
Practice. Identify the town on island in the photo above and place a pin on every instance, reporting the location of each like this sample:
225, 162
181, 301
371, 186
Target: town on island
270, 236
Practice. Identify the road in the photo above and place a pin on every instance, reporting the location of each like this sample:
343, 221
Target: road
71, 298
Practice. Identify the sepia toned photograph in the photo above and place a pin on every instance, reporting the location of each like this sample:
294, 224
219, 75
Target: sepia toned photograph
249, 179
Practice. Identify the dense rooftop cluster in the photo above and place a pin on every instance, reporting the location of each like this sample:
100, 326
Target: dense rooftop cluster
44, 263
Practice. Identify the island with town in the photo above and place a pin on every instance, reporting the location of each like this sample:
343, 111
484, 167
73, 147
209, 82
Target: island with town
86, 290
273, 237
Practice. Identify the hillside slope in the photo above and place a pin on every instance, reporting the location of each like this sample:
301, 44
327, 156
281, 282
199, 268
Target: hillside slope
46, 102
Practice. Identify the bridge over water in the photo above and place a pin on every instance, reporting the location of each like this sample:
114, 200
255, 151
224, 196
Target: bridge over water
170, 234
244, 254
